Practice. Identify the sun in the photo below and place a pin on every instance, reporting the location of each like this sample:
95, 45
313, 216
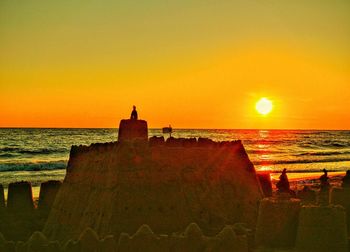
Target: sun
264, 106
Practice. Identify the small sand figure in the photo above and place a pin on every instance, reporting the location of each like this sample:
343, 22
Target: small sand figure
283, 183
324, 181
323, 196
346, 179
133, 113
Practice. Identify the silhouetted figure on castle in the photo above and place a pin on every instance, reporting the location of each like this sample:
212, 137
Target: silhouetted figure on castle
324, 181
346, 179
134, 114
283, 183
323, 196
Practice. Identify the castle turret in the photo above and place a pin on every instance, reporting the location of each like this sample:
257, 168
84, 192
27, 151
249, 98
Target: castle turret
131, 129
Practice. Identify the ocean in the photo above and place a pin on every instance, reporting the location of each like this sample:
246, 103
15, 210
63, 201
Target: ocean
37, 155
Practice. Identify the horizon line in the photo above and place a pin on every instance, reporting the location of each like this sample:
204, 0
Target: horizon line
276, 129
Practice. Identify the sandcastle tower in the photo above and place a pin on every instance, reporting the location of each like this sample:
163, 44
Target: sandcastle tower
130, 130
20, 197
278, 218
322, 229
341, 196
133, 129
277, 222
48, 191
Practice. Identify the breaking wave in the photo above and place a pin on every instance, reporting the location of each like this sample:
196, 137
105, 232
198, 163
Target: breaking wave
37, 166
14, 150
302, 161
48, 149
324, 153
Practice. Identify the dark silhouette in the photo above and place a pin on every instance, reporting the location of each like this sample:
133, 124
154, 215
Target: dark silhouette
283, 183
346, 179
133, 113
265, 182
307, 195
168, 130
324, 180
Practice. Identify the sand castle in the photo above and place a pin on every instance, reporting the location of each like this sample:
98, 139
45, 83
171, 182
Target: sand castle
117, 187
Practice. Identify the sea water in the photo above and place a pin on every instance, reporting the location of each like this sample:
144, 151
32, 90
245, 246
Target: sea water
37, 155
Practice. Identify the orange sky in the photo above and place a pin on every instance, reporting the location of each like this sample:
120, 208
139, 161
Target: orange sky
191, 64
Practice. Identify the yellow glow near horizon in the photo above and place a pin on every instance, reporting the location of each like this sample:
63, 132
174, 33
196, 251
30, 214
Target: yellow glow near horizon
264, 106
191, 64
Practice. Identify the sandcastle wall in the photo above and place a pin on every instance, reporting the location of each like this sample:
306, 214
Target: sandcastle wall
321, 229
144, 239
277, 222
132, 129
48, 191
117, 187
341, 196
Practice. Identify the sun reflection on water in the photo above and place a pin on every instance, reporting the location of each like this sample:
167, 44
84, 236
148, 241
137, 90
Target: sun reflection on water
263, 153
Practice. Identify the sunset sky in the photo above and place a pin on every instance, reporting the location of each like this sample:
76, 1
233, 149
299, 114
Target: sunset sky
191, 64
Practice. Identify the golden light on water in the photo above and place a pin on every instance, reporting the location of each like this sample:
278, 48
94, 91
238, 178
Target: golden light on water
264, 106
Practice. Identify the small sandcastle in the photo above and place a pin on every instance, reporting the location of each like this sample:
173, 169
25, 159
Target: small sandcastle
315, 222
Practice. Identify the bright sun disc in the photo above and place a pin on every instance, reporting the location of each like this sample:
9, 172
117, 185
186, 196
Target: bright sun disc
263, 106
